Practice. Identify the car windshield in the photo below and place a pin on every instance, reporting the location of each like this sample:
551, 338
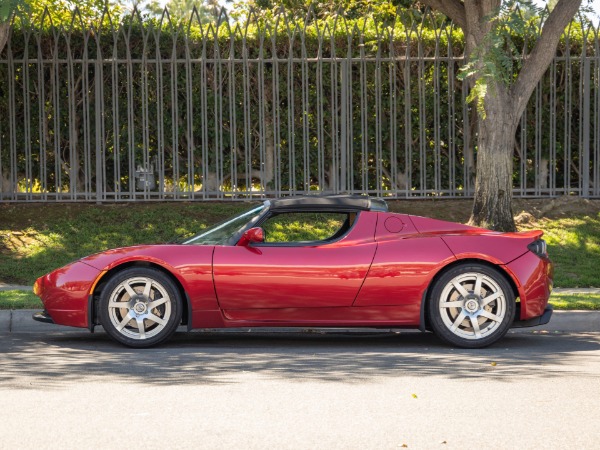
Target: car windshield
221, 233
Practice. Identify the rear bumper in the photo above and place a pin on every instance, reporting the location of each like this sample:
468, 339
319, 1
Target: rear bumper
535, 321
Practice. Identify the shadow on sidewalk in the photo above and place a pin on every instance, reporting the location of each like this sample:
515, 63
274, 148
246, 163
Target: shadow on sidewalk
34, 361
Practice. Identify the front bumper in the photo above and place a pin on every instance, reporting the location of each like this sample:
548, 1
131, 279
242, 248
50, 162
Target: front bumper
42, 317
535, 321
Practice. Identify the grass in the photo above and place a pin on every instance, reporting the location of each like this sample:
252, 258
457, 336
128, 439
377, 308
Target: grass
37, 238
19, 300
27, 300
576, 301
574, 246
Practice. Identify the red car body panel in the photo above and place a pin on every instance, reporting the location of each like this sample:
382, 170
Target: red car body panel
532, 275
265, 277
191, 265
65, 292
376, 275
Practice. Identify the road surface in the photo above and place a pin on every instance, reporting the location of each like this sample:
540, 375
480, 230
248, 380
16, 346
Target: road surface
346, 390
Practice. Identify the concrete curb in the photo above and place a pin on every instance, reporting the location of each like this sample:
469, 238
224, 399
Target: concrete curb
20, 321
14, 287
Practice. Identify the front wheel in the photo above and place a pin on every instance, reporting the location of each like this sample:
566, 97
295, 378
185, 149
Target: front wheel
471, 306
140, 307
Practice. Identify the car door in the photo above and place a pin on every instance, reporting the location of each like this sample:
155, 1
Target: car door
295, 273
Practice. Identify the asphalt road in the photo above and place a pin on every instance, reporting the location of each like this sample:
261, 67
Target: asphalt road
346, 390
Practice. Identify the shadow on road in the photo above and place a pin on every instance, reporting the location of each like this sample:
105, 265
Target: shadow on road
36, 361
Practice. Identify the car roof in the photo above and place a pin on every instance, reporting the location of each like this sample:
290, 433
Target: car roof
345, 203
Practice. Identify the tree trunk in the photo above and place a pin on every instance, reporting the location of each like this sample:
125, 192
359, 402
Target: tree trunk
493, 187
4, 30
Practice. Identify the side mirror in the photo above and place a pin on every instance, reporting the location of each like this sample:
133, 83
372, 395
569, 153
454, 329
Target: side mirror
252, 235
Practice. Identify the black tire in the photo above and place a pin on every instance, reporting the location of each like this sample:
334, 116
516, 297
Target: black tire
473, 320
153, 318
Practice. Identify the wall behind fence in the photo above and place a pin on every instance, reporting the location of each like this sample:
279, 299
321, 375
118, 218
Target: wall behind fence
144, 111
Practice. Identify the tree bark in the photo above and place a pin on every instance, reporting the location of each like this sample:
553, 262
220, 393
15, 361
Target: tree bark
492, 205
4, 31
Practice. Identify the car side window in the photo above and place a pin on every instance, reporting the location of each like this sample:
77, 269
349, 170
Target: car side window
306, 226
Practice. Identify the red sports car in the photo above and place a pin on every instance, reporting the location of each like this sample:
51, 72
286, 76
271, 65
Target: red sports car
335, 261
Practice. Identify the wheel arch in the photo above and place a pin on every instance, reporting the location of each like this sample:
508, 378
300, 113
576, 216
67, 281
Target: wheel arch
106, 276
424, 320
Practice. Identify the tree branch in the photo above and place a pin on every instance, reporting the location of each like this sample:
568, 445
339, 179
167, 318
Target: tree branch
543, 52
454, 9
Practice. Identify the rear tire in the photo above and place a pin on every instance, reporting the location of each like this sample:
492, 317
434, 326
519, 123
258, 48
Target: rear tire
140, 307
471, 306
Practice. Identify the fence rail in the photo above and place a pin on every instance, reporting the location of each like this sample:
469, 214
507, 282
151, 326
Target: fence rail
137, 113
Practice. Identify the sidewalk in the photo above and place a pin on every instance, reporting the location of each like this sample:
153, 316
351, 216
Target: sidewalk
20, 321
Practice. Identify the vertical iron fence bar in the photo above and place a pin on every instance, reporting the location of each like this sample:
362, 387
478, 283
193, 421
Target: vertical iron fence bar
85, 75
160, 127
319, 125
291, 132
344, 139
378, 119
144, 69
189, 115
452, 119
350, 116
275, 110
130, 119
262, 127
247, 118
27, 121
305, 126
596, 84
422, 89
393, 82
232, 115
207, 180
364, 133
116, 127
99, 147
584, 160
552, 165
538, 139
56, 112
42, 128
73, 136
334, 110
175, 116
408, 116
437, 149
12, 125
218, 94
523, 156
567, 121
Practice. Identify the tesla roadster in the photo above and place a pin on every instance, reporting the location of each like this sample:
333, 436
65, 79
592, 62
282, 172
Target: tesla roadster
335, 261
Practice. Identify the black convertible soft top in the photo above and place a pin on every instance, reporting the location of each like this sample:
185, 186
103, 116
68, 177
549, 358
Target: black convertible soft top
345, 203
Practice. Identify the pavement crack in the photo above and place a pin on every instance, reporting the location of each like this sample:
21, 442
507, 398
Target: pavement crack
10, 318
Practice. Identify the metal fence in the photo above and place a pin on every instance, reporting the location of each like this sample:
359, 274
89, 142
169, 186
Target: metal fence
144, 111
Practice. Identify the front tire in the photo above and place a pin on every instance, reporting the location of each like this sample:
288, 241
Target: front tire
471, 306
140, 307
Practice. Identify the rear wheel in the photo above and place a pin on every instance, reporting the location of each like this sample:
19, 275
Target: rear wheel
140, 307
471, 306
